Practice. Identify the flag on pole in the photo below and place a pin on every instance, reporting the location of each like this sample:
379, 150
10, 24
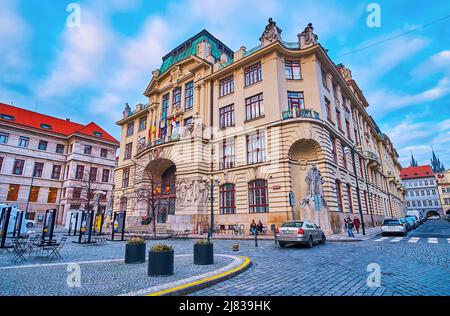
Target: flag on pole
174, 127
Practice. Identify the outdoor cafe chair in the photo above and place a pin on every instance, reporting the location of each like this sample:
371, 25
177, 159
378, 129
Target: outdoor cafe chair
19, 249
57, 247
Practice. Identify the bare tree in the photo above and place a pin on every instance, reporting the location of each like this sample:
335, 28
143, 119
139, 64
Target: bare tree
148, 184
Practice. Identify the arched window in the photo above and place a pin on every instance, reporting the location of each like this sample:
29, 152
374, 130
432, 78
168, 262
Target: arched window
257, 196
123, 204
227, 199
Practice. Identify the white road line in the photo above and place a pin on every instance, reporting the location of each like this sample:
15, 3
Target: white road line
382, 239
448, 239
397, 239
414, 239
432, 240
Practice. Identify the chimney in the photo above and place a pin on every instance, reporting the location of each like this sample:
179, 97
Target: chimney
68, 119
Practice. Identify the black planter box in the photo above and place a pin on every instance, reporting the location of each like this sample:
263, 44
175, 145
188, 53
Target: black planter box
203, 254
160, 263
135, 253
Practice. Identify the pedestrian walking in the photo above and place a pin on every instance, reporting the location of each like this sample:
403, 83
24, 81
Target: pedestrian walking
357, 224
350, 227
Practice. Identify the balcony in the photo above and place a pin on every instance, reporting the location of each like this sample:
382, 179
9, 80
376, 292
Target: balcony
143, 146
301, 113
374, 161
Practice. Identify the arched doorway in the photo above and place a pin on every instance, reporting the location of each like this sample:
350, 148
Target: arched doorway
433, 213
160, 178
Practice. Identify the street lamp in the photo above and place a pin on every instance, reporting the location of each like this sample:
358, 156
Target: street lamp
353, 150
213, 180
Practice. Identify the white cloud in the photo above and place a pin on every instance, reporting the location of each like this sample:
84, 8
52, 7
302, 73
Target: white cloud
14, 36
439, 62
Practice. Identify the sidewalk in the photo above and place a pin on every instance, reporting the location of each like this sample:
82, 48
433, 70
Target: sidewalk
343, 237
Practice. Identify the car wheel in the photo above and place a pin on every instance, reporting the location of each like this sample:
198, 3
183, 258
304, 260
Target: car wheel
29, 225
323, 240
310, 243
281, 244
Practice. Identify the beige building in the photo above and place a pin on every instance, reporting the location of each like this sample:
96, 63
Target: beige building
52, 163
443, 180
267, 121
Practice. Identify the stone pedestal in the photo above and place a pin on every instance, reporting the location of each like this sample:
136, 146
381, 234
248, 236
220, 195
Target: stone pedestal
319, 218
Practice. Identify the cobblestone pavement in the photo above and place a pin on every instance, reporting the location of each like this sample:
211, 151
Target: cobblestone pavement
407, 268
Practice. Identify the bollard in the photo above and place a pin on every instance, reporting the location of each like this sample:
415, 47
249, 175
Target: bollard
235, 247
256, 238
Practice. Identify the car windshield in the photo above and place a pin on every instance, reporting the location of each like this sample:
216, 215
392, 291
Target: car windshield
293, 224
391, 222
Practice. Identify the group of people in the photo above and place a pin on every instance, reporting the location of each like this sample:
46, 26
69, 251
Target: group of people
349, 224
256, 228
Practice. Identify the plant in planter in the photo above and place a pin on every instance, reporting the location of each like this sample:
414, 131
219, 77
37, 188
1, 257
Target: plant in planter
135, 250
203, 252
160, 260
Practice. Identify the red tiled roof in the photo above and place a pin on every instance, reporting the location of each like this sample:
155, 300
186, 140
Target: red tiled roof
56, 125
416, 172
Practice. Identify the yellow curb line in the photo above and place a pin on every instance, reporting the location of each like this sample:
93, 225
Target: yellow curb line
205, 280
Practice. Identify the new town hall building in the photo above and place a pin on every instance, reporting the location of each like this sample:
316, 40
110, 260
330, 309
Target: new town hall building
260, 120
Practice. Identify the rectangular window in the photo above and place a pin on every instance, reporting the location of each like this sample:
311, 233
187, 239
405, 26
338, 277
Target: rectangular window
334, 150
56, 172
227, 154
93, 174
24, 141
256, 148
42, 145
105, 175
38, 169
253, 74
79, 174
344, 156
52, 194
292, 70
325, 80
176, 98
338, 119
34, 194
227, 116
254, 107
142, 123
76, 193
188, 121
126, 178
349, 197
4, 138
189, 96
18, 167
130, 129
13, 192
295, 101
87, 149
328, 108
59, 149
227, 199
103, 152
128, 151
347, 129
1, 163
339, 195
257, 196
165, 107
226, 86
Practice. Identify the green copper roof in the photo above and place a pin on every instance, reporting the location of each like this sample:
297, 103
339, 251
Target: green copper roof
189, 48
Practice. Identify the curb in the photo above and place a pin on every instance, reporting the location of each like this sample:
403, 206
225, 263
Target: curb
353, 240
205, 282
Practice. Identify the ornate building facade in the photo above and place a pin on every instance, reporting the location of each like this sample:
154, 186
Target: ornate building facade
277, 121
444, 191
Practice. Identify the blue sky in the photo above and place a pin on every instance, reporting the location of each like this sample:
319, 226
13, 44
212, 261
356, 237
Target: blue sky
88, 73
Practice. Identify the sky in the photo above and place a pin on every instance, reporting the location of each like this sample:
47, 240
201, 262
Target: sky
87, 71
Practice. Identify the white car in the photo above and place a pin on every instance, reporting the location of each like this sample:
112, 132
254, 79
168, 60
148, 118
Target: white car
434, 217
394, 226
30, 223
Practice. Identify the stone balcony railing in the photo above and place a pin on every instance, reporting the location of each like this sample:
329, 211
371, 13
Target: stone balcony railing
372, 157
301, 113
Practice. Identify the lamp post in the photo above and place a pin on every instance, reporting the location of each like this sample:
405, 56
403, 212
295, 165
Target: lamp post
212, 181
352, 149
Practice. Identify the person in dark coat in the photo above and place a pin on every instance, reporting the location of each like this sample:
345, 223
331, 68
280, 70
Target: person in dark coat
357, 224
260, 226
253, 228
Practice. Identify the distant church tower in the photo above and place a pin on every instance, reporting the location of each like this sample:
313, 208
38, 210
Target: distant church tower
436, 164
413, 162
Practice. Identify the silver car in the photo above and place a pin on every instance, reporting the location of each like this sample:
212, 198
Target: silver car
393, 226
300, 232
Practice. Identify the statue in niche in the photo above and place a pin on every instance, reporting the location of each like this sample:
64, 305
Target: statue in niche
314, 184
203, 192
310, 37
271, 33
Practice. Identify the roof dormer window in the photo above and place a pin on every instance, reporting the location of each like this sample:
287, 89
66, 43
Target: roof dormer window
98, 134
7, 117
45, 126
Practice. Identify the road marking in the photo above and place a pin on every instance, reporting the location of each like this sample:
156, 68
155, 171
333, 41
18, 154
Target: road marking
414, 239
432, 240
448, 239
382, 239
397, 239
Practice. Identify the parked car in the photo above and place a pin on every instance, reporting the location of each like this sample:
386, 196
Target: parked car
394, 226
30, 223
416, 221
417, 214
411, 221
434, 217
300, 232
